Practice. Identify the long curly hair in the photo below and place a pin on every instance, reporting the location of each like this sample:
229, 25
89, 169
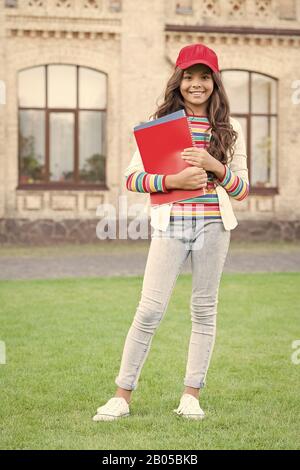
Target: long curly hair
223, 136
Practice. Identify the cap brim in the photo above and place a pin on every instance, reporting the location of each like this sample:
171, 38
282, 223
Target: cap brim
186, 65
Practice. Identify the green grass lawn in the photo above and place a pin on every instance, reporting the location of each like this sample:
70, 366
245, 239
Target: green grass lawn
64, 340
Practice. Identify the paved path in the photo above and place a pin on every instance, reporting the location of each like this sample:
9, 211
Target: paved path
133, 264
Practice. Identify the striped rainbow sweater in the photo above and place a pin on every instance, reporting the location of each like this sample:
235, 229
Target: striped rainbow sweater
206, 206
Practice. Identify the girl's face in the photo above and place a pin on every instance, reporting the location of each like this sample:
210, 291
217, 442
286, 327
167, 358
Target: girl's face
196, 88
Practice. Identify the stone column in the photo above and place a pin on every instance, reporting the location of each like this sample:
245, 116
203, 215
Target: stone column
2, 110
143, 73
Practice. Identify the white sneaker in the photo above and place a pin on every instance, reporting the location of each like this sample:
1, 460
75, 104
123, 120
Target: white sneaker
116, 407
189, 407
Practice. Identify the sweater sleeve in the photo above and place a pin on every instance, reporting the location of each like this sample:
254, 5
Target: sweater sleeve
235, 186
143, 182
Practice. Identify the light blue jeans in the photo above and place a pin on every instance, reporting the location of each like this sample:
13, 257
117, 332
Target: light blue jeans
207, 242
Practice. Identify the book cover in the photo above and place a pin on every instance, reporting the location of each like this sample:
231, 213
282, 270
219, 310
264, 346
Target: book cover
160, 143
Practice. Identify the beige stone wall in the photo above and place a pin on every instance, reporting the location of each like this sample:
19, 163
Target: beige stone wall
39, 46
138, 55
2, 116
280, 61
258, 13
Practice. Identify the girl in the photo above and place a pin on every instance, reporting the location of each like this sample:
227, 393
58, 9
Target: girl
218, 163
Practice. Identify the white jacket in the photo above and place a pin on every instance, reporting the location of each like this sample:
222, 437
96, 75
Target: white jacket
160, 215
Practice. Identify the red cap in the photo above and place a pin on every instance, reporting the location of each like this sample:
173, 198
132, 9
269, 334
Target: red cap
197, 54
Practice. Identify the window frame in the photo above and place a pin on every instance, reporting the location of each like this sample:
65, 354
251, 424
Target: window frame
59, 185
257, 189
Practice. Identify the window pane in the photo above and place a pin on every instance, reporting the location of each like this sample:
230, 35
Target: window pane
243, 123
32, 146
61, 86
32, 91
263, 150
92, 147
92, 89
61, 146
273, 169
263, 94
236, 84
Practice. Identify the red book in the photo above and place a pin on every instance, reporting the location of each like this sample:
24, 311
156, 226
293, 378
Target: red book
160, 143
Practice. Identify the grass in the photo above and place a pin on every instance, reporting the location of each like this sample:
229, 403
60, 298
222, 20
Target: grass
64, 340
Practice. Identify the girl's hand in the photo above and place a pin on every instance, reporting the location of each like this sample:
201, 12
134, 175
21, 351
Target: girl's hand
199, 158
189, 178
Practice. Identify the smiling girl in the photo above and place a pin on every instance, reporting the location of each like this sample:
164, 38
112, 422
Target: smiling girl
199, 227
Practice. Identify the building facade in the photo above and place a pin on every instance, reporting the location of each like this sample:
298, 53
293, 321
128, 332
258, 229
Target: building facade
77, 75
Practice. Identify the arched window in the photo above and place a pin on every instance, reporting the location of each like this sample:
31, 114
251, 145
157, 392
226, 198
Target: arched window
253, 101
62, 127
